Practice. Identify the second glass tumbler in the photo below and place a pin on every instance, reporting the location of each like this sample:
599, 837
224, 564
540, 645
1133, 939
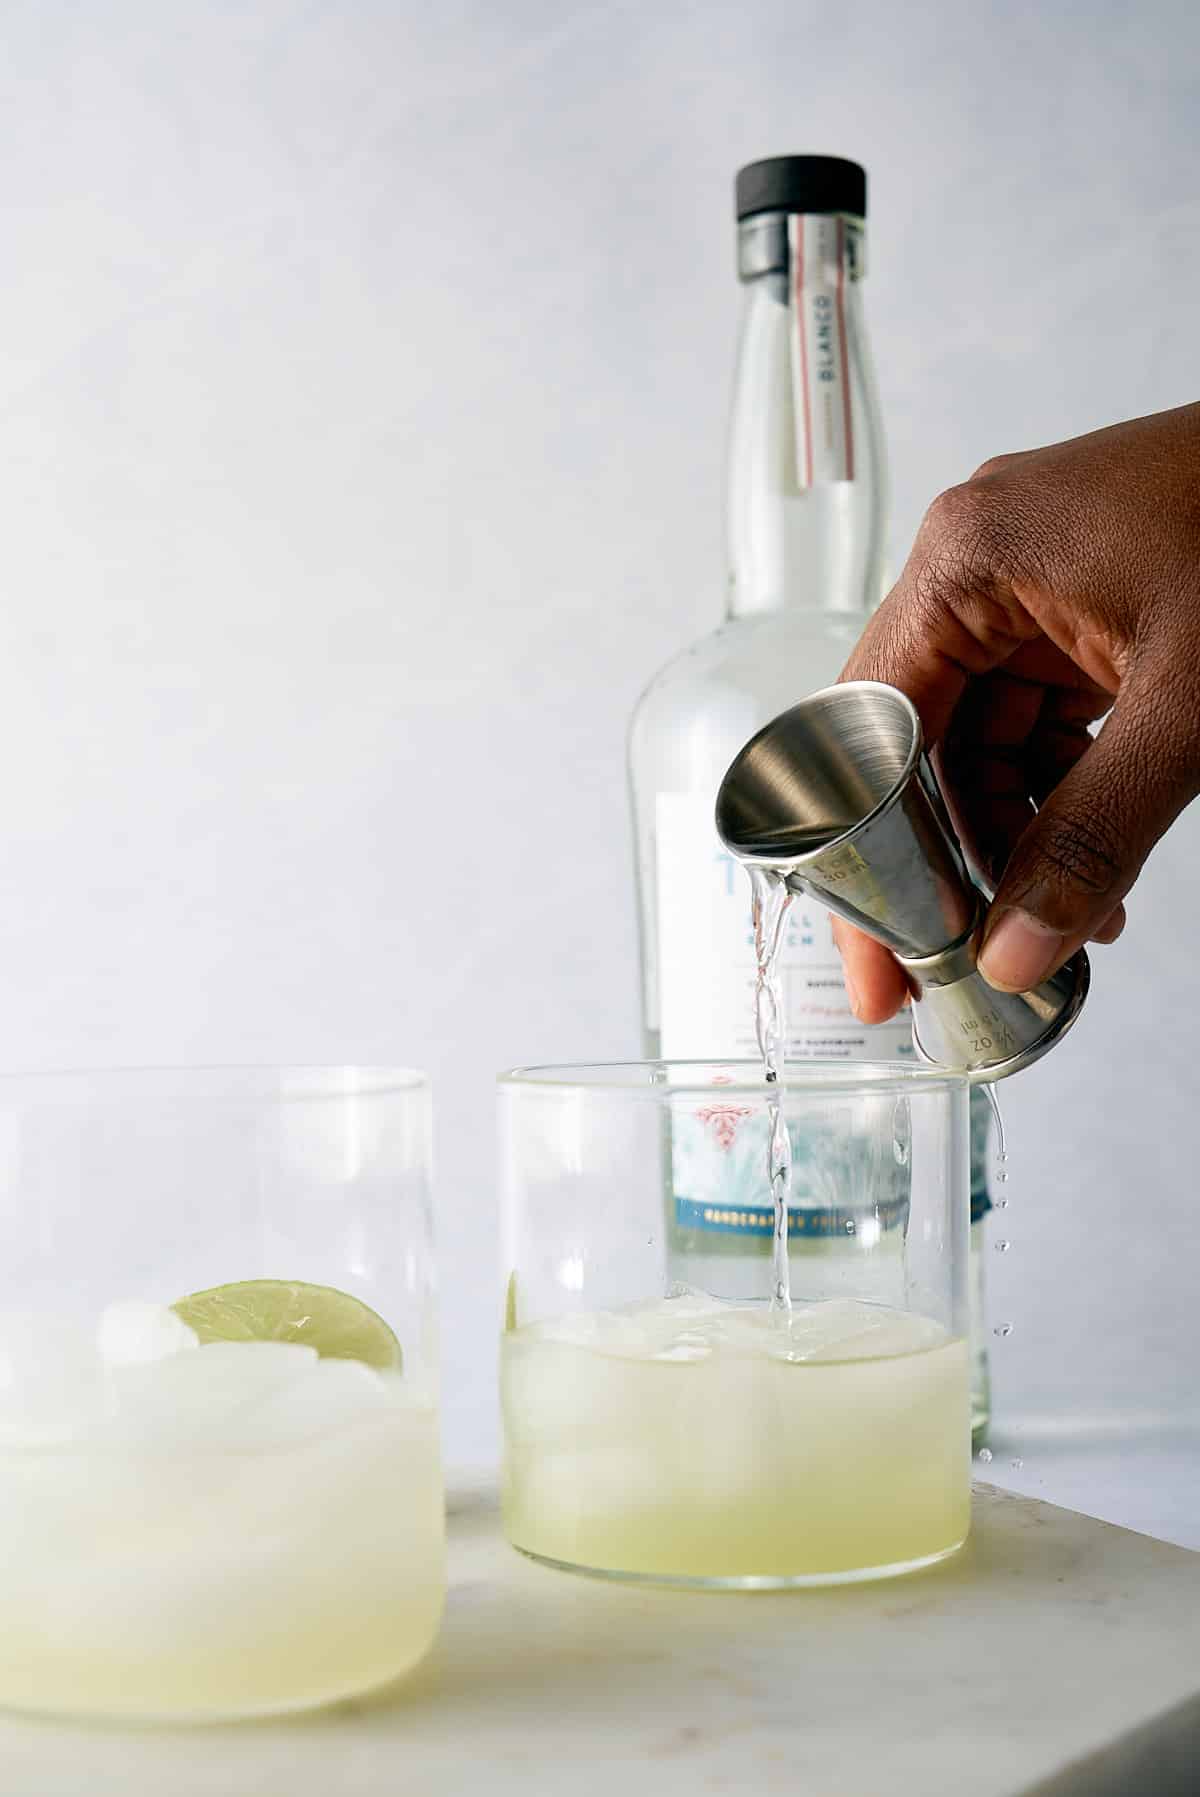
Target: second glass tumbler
655, 1430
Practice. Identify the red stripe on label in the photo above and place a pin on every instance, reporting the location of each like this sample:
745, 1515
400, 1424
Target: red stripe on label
841, 318
798, 234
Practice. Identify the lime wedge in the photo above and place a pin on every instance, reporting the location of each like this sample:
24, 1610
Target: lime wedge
338, 1326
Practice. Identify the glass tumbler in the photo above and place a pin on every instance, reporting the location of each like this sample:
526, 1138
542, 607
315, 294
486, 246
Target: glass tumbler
220, 1485
657, 1427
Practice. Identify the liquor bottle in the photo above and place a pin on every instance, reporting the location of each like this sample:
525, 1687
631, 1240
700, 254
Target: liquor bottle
807, 505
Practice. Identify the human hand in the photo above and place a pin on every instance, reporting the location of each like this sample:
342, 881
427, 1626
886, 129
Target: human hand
1050, 587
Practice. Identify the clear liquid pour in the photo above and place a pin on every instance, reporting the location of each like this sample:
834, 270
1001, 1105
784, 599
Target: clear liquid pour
1001, 1146
770, 898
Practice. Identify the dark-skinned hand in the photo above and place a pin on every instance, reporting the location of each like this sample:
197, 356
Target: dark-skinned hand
1049, 589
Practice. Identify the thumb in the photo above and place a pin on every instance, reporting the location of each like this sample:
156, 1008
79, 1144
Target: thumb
1079, 856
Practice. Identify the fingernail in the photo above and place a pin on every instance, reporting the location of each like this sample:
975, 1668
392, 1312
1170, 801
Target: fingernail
851, 991
1019, 951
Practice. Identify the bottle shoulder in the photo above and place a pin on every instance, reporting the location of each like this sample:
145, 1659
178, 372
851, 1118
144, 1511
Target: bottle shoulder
761, 656
702, 706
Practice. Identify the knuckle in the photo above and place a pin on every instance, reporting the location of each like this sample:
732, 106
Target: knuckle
1080, 855
966, 535
995, 464
978, 540
949, 514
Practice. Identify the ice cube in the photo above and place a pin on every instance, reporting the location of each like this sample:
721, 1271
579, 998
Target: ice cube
674, 1328
137, 1331
251, 1367
53, 1387
191, 1397
847, 1329
36, 1346
689, 1326
688, 1301
323, 1399
692, 1346
56, 1406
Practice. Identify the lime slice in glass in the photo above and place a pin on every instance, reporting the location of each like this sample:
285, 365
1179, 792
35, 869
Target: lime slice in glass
338, 1326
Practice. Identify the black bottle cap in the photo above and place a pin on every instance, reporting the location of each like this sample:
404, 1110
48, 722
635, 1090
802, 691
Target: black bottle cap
802, 184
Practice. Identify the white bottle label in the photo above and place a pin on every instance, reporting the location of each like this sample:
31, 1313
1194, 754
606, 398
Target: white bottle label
820, 360
706, 957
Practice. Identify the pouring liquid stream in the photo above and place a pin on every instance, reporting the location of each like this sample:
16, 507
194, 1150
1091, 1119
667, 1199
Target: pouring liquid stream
770, 899
998, 1120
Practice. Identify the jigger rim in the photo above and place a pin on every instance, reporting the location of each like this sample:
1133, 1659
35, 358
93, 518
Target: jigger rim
769, 858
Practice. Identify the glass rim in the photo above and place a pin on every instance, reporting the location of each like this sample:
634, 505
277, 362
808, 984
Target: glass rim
266, 1079
816, 1077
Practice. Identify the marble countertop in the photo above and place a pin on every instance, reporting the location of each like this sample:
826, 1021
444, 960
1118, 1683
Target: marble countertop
1055, 1655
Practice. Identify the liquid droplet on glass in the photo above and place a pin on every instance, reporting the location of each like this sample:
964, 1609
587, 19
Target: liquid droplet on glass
985, 1454
1016, 1465
1002, 1329
1003, 1247
850, 1226
1002, 1204
1001, 1174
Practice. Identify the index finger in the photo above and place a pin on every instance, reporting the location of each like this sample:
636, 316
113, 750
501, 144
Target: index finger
935, 631
876, 984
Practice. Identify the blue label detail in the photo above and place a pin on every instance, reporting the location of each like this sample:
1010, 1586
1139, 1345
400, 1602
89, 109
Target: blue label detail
753, 1219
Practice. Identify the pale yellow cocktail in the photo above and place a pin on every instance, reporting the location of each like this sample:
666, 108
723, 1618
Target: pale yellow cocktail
229, 1529
689, 1439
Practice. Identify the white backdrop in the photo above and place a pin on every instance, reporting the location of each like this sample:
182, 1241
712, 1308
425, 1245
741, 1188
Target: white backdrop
363, 377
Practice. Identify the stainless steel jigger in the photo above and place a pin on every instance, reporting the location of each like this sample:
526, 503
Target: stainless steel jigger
837, 795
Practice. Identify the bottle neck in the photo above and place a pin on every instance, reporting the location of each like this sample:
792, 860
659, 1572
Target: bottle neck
807, 475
